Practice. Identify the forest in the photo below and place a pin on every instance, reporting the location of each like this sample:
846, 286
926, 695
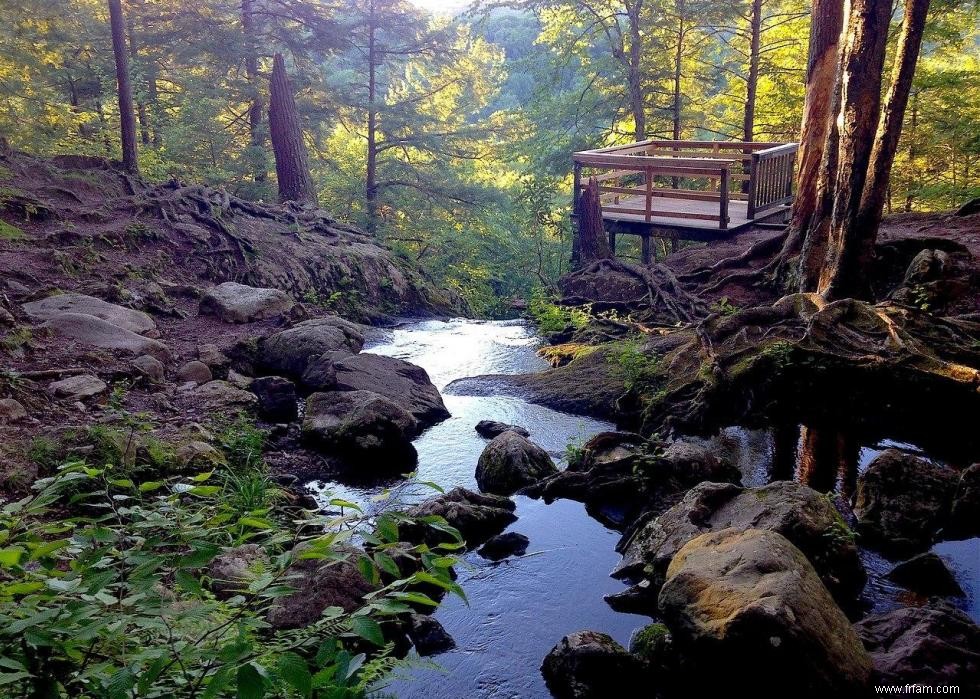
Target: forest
514, 348
450, 137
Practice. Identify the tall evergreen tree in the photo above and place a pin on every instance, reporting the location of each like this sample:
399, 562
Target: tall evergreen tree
292, 167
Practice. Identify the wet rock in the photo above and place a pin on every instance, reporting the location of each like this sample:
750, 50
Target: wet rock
150, 367
799, 513
321, 372
78, 387
654, 645
238, 380
933, 645
319, 584
222, 394
290, 352
16, 288
927, 575
398, 380
510, 462
624, 478
277, 398
11, 411
428, 635
125, 318
964, 515
7, 319
504, 545
361, 424
95, 332
237, 303
212, 356
232, 570
591, 665
902, 501
194, 372
492, 428
477, 517
737, 600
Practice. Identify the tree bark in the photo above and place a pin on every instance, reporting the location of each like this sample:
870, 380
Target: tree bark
127, 116
255, 137
292, 168
140, 104
678, 57
592, 237
849, 247
371, 179
634, 72
752, 83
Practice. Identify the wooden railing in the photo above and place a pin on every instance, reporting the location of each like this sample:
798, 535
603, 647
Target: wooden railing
632, 177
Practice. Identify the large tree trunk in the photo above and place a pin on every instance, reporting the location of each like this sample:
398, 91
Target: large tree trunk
752, 83
140, 104
292, 169
592, 243
127, 116
255, 95
371, 180
634, 74
850, 248
678, 58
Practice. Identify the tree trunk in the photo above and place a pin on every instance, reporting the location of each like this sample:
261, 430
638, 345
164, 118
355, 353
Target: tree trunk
127, 116
634, 73
826, 25
140, 104
292, 169
371, 180
849, 247
752, 84
592, 237
678, 57
892, 117
255, 95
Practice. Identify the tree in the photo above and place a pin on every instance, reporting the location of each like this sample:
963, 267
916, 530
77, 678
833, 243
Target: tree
127, 116
292, 168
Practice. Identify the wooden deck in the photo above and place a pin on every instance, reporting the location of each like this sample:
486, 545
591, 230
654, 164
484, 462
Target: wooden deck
687, 190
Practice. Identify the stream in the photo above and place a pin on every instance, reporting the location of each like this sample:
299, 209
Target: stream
519, 608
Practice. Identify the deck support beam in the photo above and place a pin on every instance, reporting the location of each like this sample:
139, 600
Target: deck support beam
645, 248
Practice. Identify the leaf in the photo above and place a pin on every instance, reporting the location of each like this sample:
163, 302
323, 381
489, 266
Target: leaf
251, 684
337, 502
217, 683
256, 523
387, 564
296, 673
201, 477
10, 556
387, 528
205, 490
368, 629
11, 677
150, 486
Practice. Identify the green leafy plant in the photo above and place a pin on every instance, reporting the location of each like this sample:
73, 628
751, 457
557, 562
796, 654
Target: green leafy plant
637, 367
105, 592
551, 318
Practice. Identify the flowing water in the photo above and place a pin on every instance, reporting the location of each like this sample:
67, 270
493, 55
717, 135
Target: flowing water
519, 608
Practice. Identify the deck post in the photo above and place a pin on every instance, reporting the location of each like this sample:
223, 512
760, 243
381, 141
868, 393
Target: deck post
576, 194
723, 197
612, 243
753, 185
648, 213
645, 247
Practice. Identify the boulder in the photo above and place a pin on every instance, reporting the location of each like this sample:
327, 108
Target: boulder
233, 569
277, 398
77, 387
964, 514
237, 303
289, 352
801, 514
492, 428
902, 501
194, 372
361, 424
477, 517
198, 454
219, 394
504, 545
213, 356
932, 645
927, 575
125, 318
395, 379
737, 600
510, 462
591, 665
428, 635
149, 367
94, 332
321, 372
319, 584
11, 411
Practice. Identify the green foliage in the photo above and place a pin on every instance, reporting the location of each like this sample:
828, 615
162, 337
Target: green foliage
650, 641
105, 593
552, 318
242, 443
637, 367
9, 232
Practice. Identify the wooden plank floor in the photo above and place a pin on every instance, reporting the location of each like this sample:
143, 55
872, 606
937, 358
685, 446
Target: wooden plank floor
737, 212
